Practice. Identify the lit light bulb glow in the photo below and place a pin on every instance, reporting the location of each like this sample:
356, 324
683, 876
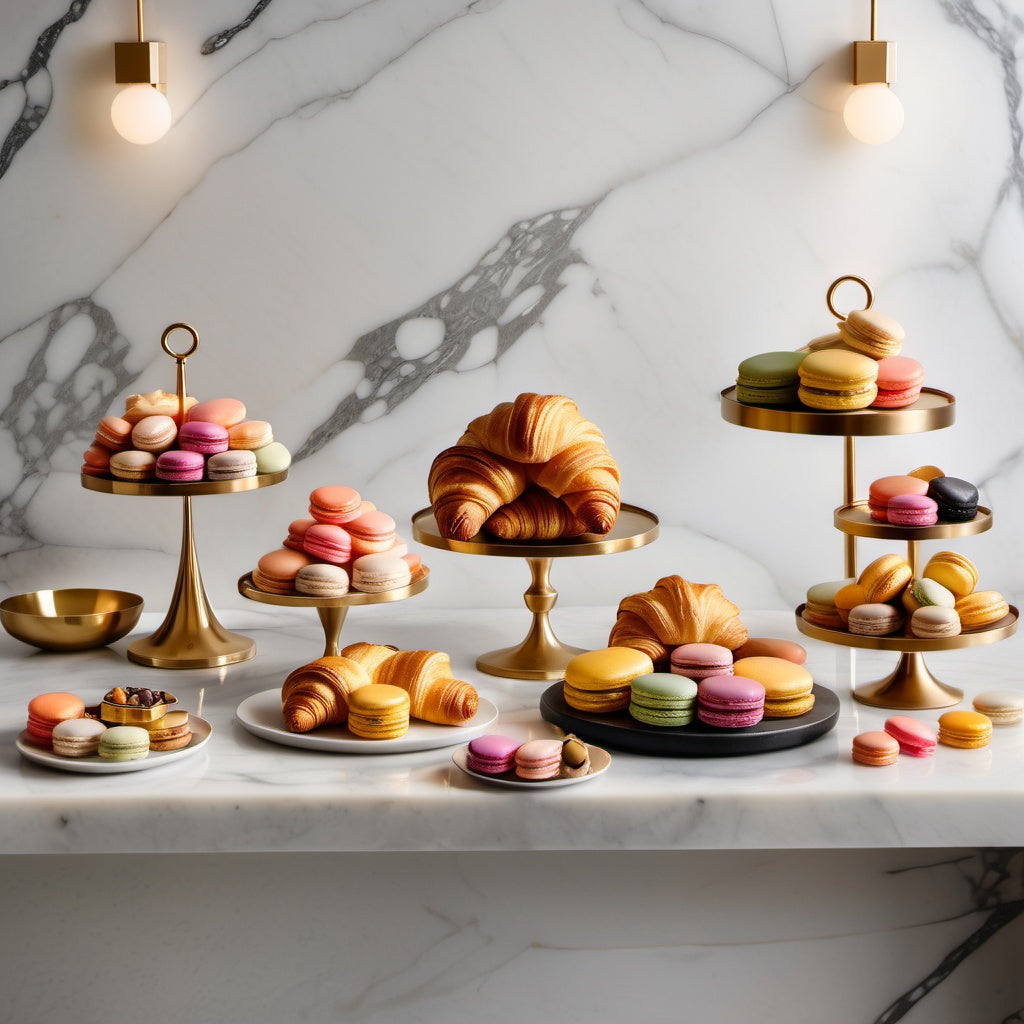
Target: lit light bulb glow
873, 113
141, 114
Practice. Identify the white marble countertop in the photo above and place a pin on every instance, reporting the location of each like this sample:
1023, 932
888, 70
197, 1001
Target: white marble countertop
245, 794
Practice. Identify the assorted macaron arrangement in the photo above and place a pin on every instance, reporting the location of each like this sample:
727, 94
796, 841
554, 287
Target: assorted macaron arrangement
215, 442
125, 726
532, 761
923, 497
885, 599
345, 542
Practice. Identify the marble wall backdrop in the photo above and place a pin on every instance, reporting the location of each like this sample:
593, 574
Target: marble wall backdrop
386, 216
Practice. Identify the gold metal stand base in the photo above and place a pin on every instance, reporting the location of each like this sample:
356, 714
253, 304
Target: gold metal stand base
910, 687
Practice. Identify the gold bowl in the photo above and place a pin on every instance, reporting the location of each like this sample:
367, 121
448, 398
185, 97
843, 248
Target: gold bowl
133, 714
70, 620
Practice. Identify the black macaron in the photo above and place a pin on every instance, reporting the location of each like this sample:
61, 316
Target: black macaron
957, 499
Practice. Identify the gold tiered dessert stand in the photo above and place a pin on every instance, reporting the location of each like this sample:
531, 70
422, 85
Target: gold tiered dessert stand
190, 635
332, 610
541, 655
910, 686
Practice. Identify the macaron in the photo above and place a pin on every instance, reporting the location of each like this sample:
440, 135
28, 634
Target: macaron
956, 499
537, 760
912, 510
955, 572
788, 688
155, 403
373, 574
378, 711
820, 607
225, 412
730, 702
180, 466
48, 710
600, 681
250, 434
96, 460
849, 597
935, 622
1001, 707
132, 465
966, 729
771, 647
925, 592
275, 572
926, 473
899, 382
884, 578
836, 380
297, 532
371, 533
114, 433
575, 758
321, 579
873, 333
77, 737
884, 489
205, 438
492, 754
698, 661
172, 732
231, 465
272, 458
124, 743
769, 378
326, 543
914, 737
875, 748
663, 699
154, 434
874, 619
334, 504
982, 609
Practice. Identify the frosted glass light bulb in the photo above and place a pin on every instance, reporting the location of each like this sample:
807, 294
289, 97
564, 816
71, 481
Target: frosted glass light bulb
873, 113
141, 114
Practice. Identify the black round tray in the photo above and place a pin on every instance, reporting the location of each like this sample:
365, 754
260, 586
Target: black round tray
621, 731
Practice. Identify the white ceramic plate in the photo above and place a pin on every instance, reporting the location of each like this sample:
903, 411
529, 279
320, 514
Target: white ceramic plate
599, 761
96, 765
261, 715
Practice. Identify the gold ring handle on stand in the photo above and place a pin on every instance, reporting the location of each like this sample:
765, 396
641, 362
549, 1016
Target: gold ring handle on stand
834, 287
179, 358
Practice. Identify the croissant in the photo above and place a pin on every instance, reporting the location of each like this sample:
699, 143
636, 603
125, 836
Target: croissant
677, 612
534, 515
317, 694
434, 696
369, 655
586, 477
467, 484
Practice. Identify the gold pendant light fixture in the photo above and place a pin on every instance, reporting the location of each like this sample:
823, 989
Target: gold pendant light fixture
873, 112
140, 112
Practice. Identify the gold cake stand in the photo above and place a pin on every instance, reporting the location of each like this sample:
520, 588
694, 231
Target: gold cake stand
541, 655
332, 610
190, 635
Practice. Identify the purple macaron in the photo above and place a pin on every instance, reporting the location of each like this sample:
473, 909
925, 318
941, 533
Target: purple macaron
205, 438
912, 510
492, 755
179, 467
730, 702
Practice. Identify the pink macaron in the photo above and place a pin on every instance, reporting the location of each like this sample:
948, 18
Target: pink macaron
730, 702
699, 661
492, 754
205, 438
912, 510
371, 533
885, 488
180, 467
327, 543
539, 759
899, 382
913, 736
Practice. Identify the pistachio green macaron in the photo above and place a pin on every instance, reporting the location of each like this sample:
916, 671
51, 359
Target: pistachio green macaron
663, 699
124, 743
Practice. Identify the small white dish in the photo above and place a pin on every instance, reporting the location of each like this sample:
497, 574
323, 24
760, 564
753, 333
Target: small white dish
96, 765
600, 759
261, 715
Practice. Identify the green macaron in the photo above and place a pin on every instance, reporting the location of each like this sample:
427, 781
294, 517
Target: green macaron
124, 743
769, 378
663, 699
272, 458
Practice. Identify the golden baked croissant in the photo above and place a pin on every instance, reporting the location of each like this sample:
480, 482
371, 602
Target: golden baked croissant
677, 612
586, 477
534, 515
317, 694
467, 484
434, 696
369, 655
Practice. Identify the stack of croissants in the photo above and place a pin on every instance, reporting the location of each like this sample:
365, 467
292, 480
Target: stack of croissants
531, 469
316, 694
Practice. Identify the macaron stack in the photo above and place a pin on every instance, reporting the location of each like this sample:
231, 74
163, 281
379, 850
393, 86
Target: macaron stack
346, 542
535, 760
923, 497
216, 442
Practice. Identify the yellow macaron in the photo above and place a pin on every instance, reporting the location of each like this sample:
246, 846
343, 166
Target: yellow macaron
787, 687
966, 729
600, 681
837, 379
849, 597
884, 578
378, 711
981, 609
956, 573
872, 333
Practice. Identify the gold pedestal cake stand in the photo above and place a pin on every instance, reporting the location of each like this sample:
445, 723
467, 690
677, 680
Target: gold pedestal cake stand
190, 635
332, 610
541, 655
